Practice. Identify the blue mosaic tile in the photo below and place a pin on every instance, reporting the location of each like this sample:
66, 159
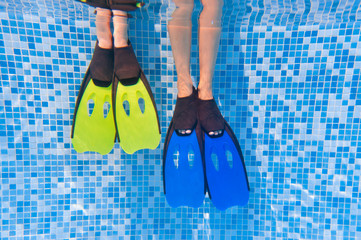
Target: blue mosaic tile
287, 80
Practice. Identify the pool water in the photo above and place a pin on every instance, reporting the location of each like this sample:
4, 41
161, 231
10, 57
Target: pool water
287, 80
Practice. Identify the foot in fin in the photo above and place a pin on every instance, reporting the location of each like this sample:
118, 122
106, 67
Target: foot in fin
135, 111
93, 123
225, 169
185, 114
183, 174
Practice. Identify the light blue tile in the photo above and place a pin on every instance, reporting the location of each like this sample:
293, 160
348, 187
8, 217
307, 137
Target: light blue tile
287, 80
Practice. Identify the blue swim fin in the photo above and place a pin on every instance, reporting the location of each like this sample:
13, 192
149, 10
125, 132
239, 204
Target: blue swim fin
226, 175
225, 170
183, 173
183, 169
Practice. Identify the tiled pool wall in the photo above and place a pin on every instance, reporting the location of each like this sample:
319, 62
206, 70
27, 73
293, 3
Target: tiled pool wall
287, 80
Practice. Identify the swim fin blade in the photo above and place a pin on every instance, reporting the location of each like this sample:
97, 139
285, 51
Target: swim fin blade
183, 174
93, 126
225, 170
134, 109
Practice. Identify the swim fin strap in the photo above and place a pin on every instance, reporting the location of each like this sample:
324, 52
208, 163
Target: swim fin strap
135, 111
226, 174
94, 129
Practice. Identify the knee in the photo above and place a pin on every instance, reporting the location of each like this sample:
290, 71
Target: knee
185, 6
182, 14
212, 9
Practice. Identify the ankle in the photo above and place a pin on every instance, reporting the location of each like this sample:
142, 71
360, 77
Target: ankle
120, 42
120, 36
185, 92
205, 94
185, 86
105, 44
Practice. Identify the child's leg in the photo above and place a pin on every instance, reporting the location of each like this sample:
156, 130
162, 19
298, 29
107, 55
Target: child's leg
180, 33
209, 36
102, 22
120, 21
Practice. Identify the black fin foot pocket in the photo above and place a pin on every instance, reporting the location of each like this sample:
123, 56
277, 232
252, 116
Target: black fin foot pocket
185, 114
210, 118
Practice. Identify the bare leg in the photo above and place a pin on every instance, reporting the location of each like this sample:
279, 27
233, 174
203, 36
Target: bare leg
102, 22
209, 36
120, 20
180, 33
